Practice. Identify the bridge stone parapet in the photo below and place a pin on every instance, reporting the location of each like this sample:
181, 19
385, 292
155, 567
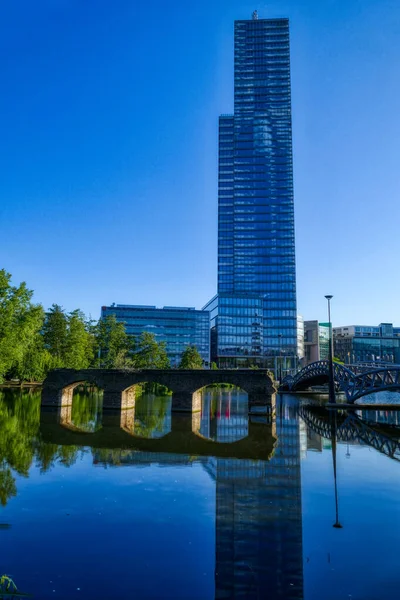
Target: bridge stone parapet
185, 385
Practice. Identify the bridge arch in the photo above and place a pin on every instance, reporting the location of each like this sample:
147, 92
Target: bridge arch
81, 410
136, 418
354, 384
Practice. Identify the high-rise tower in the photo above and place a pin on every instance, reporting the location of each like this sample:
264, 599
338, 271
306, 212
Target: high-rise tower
255, 320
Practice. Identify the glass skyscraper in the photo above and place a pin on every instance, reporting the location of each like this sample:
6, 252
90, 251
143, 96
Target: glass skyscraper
255, 320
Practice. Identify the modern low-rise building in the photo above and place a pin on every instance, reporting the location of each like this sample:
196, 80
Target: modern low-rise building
178, 327
366, 343
316, 341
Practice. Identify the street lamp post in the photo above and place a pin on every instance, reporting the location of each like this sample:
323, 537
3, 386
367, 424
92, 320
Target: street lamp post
332, 398
280, 357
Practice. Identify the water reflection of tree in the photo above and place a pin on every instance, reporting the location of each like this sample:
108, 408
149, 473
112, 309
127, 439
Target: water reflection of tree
86, 410
20, 441
150, 415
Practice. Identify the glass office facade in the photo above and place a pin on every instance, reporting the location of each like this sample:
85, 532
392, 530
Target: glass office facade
363, 343
256, 247
178, 327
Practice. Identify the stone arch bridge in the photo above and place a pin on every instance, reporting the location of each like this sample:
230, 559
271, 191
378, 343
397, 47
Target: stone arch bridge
355, 382
185, 385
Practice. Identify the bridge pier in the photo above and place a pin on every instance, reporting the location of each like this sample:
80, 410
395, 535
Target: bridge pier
261, 403
186, 402
57, 397
65, 414
113, 399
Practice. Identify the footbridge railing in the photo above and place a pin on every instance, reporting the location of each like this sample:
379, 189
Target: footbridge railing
351, 381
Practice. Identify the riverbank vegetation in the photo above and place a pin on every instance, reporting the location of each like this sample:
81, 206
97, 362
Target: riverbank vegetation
33, 340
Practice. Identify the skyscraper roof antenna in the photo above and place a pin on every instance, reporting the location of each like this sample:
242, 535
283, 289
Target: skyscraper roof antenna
255, 15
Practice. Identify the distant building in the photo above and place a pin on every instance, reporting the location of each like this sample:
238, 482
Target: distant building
178, 327
316, 341
361, 343
212, 308
300, 339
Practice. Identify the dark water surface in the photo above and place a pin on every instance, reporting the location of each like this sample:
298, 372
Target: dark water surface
153, 505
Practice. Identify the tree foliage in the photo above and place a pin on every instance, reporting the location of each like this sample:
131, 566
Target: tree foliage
20, 320
68, 338
191, 359
112, 344
33, 341
150, 354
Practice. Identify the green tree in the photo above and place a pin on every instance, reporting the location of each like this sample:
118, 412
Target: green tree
55, 332
20, 320
79, 343
150, 354
112, 345
191, 359
214, 366
35, 362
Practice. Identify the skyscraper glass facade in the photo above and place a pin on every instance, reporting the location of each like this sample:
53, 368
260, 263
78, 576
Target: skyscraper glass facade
177, 326
256, 247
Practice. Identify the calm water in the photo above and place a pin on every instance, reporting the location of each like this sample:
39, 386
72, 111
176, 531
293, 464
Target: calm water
152, 505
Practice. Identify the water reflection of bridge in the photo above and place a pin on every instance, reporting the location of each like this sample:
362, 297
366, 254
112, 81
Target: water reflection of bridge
184, 438
258, 491
366, 427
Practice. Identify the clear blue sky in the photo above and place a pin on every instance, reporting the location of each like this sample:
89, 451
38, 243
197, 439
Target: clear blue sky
108, 154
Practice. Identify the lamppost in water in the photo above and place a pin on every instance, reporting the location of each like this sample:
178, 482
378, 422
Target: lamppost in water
332, 398
280, 357
333, 416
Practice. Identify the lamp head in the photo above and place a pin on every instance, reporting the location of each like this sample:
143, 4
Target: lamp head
329, 297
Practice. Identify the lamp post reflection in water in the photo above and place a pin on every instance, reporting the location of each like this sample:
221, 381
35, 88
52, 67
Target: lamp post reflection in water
333, 417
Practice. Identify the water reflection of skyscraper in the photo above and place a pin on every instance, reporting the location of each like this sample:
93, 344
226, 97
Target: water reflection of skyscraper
258, 503
258, 520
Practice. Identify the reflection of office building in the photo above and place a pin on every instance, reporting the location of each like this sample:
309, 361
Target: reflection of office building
178, 327
314, 441
255, 309
224, 416
360, 343
126, 458
316, 341
259, 522
303, 439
